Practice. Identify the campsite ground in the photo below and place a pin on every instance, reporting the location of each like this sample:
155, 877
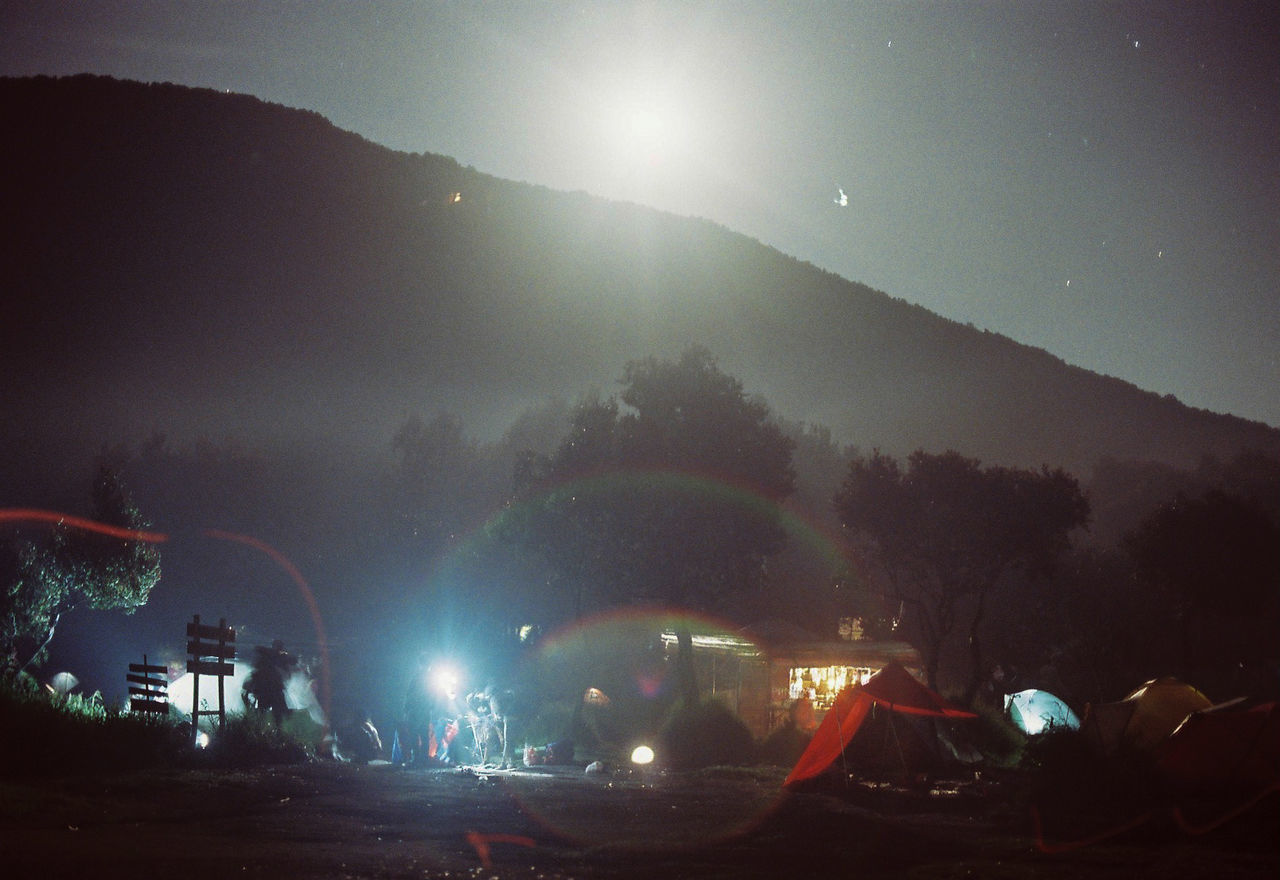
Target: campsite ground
335, 820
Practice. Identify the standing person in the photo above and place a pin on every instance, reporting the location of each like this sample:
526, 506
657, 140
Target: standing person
272, 667
417, 738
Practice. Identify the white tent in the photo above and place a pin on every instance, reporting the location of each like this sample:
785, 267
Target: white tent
1037, 711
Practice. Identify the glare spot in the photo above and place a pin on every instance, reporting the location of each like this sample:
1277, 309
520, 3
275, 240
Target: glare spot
642, 755
646, 125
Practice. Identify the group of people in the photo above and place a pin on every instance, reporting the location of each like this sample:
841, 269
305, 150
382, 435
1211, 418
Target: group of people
430, 718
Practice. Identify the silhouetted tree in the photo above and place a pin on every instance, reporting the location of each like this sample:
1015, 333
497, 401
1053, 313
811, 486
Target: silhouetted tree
945, 532
43, 577
436, 481
1216, 561
666, 494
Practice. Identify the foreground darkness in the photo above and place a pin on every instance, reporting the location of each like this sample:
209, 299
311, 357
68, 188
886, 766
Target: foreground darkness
330, 820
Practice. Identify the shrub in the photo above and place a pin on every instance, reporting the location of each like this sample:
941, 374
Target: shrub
704, 735
251, 740
1001, 742
784, 746
47, 735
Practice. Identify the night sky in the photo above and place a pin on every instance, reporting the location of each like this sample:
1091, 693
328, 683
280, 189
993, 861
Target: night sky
1099, 179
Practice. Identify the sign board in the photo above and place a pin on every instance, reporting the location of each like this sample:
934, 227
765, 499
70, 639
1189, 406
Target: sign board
213, 633
203, 649
210, 667
148, 668
153, 707
148, 690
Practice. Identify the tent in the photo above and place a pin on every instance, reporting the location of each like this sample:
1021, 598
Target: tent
875, 727
1227, 747
1143, 719
1036, 711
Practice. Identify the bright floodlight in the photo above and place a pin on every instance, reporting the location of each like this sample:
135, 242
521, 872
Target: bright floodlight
642, 755
445, 681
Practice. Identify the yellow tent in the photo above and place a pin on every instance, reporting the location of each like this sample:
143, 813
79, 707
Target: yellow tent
1143, 719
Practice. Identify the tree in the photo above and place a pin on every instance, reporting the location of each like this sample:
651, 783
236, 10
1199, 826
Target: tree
435, 482
44, 578
945, 532
1215, 561
666, 494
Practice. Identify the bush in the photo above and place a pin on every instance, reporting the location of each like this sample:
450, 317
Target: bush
704, 735
251, 740
47, 735
1063, 775
1001, 742
784, 746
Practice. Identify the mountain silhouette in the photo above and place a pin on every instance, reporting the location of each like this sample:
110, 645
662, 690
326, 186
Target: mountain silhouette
203, 263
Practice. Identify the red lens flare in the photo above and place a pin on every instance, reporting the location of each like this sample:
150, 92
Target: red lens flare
52, 517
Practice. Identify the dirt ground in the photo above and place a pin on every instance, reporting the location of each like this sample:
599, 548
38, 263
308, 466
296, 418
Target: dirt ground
340, 820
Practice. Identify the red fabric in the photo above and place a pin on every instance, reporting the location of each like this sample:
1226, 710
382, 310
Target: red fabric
833, 734
1223, 749
892, 687
896, 688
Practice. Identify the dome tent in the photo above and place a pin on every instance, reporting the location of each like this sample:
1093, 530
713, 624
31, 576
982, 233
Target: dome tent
1143, 719
1036, 711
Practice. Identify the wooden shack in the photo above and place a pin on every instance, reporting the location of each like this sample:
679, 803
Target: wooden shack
758, 672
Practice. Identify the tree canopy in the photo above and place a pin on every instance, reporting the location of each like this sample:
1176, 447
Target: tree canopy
45, 576
1214, 560
666, 493
944, 532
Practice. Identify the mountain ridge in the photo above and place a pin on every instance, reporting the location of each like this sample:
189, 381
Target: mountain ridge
207, 263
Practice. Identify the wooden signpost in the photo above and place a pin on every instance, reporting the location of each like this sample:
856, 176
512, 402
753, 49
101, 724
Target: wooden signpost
213, 652
148, 689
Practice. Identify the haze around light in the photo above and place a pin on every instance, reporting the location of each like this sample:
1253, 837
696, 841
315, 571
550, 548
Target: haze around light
1098, 180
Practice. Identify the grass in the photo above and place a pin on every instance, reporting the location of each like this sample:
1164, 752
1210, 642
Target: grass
46, 734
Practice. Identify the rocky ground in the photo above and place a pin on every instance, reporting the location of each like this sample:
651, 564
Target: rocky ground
341, 820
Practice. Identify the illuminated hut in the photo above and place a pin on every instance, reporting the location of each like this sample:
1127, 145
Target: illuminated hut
760, 671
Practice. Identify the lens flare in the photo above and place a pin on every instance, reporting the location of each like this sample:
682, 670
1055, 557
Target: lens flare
623, 654
51, 517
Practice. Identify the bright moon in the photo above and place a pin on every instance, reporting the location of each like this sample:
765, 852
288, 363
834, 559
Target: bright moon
646, 125
644, 135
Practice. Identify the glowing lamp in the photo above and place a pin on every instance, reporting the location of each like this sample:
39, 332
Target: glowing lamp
642, 755
445, 681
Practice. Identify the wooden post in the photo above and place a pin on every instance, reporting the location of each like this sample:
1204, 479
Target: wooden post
195, 693
212, 653
222, 679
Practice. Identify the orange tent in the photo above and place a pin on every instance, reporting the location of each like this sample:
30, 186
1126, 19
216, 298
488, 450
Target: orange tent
891, 689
